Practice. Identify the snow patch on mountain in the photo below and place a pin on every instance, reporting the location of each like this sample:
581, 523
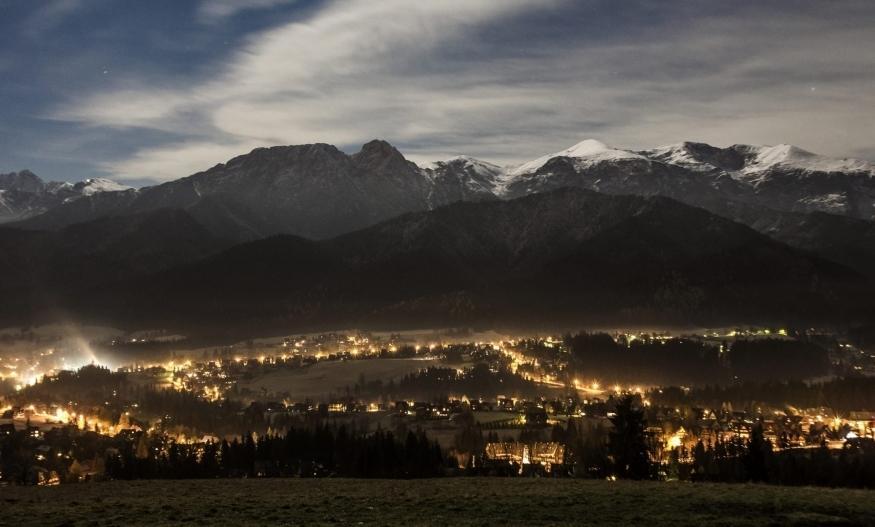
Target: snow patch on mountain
483, 168
476, 175
836, 203
677, 154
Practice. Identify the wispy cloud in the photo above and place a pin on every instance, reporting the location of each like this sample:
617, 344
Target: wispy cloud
342, 76
495, 79
212, 11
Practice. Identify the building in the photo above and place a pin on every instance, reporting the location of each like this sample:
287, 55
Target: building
545, 454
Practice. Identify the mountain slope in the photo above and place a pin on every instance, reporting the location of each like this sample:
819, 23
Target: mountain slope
781, 191
564, 257
317, 191
848, 241
40, 269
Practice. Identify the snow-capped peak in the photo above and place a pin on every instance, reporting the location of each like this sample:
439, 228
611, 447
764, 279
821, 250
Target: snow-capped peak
588, 147
586, 152
95, 185
793, 157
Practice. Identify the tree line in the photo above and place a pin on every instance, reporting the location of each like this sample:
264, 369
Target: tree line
842, 394
756, 460
686, 361
318, 452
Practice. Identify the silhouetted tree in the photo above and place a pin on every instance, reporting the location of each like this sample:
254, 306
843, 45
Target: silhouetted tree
627, 444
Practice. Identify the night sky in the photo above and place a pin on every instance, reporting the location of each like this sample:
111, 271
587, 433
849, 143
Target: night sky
145, 91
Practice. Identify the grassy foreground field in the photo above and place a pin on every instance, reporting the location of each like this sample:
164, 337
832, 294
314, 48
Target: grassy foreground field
459, 501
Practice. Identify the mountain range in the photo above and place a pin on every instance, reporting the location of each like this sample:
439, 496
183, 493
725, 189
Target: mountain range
309, 235
24, 194
317, 191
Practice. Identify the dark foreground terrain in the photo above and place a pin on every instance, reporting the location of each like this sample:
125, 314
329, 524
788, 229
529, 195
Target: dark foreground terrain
468, 501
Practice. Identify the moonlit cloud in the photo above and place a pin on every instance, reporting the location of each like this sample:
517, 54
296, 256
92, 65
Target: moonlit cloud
211, 11
339, 77
506, 81
166, 163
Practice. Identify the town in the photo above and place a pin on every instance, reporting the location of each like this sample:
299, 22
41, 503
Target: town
525, 405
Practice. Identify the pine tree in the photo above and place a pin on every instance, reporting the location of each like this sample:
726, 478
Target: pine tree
627, 445
758, 454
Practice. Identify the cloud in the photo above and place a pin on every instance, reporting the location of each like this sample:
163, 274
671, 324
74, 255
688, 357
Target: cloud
170, 162
213, 11
49, 15
508, 81
338, 77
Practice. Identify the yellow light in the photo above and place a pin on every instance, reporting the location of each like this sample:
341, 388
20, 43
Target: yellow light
62, 415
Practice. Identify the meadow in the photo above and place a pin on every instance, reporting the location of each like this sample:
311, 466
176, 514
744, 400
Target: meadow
333, 377
450, 501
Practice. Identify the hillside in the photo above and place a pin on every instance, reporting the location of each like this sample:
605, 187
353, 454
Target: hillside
38, 269
559, 257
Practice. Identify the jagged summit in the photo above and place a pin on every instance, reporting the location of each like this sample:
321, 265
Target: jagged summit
23, 194
697, 156
24, 180
378, 147
381, 156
